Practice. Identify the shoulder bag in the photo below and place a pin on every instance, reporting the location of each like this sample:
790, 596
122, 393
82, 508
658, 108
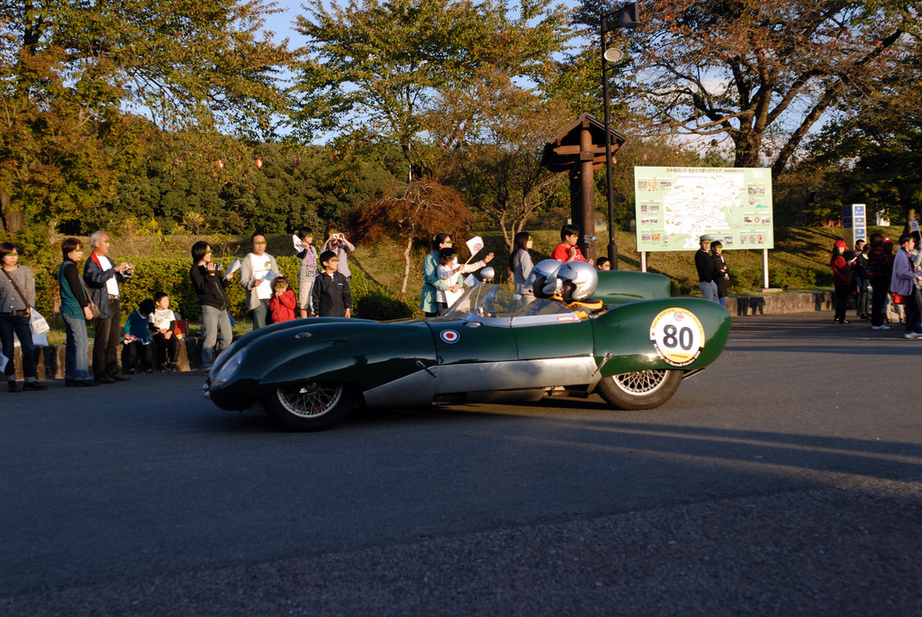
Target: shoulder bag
89, 301
37, 322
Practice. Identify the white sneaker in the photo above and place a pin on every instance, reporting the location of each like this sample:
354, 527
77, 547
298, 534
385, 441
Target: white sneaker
913, 335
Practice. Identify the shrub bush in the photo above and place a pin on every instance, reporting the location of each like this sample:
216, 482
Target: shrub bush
371, 300
376, 305
169, 275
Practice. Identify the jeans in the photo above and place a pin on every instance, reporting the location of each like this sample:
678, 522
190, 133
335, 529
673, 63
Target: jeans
708, 290
107, 344
259, 314
76, 362
215, 324
20, 325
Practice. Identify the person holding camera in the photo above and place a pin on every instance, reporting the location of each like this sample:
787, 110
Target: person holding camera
336, 242
102, 278
209, 286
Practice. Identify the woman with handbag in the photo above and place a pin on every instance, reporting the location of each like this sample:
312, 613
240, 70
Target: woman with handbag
76, 310
17, 295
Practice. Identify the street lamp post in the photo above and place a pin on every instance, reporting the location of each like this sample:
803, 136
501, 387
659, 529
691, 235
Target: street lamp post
627, 17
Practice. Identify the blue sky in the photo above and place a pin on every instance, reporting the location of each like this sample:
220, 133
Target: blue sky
281, 23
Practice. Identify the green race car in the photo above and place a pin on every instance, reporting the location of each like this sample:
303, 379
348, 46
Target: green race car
492, 345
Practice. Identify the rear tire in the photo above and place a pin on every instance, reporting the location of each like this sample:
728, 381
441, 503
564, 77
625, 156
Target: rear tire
310, 406
640, 389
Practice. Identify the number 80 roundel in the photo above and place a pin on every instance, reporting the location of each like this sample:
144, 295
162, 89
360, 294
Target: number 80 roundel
678, 336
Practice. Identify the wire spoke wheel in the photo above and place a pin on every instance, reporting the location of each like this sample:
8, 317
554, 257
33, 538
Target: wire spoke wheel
641, 382
310, 400
640, 389
309, 407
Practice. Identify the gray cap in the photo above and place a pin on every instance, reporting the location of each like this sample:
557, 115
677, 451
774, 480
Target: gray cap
705, 238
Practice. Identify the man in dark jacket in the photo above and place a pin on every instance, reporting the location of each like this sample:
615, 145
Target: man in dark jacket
102, 278
705, 266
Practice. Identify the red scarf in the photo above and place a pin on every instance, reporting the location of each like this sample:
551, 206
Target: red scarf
96, 259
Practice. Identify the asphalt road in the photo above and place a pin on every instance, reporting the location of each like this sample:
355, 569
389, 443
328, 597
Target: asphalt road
783, 480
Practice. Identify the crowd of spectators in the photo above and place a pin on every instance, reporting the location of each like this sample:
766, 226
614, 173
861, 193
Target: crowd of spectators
151, 334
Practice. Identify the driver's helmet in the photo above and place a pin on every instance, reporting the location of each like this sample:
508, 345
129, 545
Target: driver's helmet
583, 276
543, 278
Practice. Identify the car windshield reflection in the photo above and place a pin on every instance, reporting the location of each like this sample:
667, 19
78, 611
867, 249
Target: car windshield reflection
495, 305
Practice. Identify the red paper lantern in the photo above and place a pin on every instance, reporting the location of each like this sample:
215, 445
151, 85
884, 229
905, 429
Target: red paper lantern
259, 163
297, 160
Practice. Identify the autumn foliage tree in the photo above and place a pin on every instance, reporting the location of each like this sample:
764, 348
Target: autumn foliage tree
761, 73
410, 213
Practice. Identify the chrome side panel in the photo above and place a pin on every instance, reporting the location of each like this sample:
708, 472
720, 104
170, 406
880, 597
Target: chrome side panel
412, 391
422, 387
515, 375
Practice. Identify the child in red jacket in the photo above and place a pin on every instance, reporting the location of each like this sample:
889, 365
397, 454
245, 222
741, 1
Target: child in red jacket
283, 302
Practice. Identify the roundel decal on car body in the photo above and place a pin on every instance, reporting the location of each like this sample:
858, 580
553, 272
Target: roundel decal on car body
450, 336
678, 336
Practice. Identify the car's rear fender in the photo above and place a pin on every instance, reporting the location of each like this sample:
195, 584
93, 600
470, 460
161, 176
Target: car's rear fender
625, 342
618, 287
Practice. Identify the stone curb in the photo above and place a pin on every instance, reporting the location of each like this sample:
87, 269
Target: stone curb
780, 304
49, 359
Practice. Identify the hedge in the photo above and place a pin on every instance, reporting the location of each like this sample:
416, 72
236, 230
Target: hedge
171, 276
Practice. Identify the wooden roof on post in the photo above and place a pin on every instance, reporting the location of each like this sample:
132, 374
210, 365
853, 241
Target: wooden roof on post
564, 148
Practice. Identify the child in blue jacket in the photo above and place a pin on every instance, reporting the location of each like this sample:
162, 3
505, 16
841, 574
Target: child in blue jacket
137, 339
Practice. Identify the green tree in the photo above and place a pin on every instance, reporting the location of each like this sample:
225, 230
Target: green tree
875, 164
69, 69
291, 186
490, 136
875, 149
377, 65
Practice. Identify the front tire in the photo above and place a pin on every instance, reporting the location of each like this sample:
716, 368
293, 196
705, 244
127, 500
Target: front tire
309, 406
640, 389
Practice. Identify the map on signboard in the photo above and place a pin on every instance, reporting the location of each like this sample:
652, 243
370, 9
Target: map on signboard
675, 206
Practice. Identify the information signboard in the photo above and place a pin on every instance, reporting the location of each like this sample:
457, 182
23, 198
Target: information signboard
854, 223
676, 205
